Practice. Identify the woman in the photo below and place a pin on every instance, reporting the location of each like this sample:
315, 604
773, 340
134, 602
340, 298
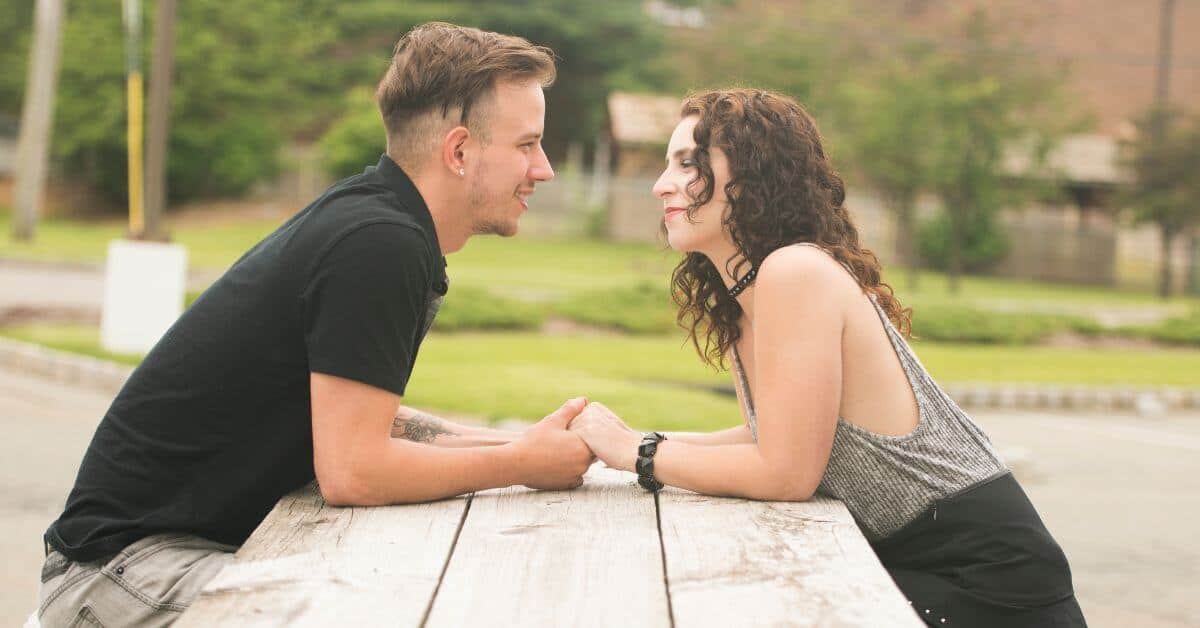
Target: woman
774, 278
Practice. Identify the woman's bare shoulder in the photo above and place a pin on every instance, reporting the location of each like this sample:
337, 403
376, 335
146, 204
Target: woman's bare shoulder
804, 267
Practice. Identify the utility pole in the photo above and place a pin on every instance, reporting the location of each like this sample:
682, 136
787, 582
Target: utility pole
37, 117
1162, 83
133, 134
159, 116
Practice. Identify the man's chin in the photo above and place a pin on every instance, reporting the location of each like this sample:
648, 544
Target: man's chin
502, 229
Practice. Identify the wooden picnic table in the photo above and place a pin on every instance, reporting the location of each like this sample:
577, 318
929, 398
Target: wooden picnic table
606, 554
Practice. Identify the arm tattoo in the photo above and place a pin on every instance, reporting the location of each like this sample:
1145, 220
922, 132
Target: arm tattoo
419, 428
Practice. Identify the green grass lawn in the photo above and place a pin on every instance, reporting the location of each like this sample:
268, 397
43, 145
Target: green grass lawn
658, 382
550, 270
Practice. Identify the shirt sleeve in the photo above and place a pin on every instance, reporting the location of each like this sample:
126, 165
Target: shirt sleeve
364, 304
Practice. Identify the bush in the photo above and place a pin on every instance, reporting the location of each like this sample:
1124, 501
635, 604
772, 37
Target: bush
467, 308
986, 243
1182, 330
644, 308
968, 325
356, 140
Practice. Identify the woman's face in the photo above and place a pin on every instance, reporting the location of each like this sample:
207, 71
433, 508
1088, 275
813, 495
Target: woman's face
677, 188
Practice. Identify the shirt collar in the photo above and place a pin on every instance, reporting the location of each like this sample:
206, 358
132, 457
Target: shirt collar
398, 181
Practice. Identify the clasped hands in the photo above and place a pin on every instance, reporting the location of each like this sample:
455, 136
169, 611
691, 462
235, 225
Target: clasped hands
565, 443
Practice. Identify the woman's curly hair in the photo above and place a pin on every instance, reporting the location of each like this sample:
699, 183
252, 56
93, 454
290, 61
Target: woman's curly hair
782, 190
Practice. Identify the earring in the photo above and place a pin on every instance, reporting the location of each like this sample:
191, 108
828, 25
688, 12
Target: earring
462, 171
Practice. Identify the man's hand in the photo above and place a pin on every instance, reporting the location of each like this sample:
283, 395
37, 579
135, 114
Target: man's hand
552, 458
607, 436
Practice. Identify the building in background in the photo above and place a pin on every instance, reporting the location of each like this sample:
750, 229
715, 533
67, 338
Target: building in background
1110, 49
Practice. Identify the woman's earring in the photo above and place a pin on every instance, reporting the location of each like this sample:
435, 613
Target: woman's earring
462, 171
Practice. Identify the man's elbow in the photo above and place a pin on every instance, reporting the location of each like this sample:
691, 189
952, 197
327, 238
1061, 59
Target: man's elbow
344, 489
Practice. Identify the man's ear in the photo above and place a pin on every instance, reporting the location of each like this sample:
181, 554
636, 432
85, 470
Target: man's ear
454, 150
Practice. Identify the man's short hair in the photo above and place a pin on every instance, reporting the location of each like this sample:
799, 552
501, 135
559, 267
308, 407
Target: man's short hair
443, 74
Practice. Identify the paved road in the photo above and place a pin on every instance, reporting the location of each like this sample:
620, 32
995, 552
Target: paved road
1120, 493
81, 288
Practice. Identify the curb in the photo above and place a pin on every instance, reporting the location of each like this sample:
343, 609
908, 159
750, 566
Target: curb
1146, 401
81, 370
62, 366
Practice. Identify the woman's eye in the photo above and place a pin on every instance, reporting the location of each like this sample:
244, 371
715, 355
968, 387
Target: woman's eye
687, 163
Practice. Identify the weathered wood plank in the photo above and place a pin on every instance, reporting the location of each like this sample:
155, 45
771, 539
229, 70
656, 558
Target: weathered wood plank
310, 564
588, 557
733, 562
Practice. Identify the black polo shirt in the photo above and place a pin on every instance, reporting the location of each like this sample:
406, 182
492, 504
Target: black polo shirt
215, 425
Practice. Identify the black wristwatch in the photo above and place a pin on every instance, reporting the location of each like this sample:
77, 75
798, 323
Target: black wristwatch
645, 461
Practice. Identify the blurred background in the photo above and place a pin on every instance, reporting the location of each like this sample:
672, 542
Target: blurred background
1029, 174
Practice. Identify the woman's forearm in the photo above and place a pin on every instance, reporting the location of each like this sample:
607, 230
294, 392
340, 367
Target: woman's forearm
737, 470
422, 427
739, 435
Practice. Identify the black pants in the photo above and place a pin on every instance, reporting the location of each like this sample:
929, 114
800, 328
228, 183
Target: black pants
983, 557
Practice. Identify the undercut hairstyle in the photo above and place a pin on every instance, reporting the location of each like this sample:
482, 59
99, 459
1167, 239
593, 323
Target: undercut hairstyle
442, 76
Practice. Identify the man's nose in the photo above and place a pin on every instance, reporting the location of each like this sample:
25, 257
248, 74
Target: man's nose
540, 169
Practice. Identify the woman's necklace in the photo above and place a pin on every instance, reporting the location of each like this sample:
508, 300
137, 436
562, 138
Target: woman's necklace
743, 283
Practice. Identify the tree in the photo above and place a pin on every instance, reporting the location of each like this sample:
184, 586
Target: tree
1163, 159
986, 107
251, 75
889, 115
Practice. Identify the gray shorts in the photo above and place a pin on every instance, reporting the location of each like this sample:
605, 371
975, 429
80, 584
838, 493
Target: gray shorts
149, 583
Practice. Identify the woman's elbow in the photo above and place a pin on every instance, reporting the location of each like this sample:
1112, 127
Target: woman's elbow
791, 485
792, 491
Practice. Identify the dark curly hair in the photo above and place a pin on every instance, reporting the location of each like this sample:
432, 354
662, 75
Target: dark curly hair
782, 190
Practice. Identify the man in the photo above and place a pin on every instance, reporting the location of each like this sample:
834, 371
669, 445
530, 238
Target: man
293, 364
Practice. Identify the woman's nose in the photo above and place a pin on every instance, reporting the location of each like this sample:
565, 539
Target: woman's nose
662, 187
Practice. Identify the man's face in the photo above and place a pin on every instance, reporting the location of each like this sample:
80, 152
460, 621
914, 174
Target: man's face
512, 162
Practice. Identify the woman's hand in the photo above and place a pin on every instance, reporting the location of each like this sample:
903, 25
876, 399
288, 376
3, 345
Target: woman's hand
611, 441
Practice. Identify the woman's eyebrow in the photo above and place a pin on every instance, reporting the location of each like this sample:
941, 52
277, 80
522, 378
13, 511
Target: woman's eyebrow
679, 152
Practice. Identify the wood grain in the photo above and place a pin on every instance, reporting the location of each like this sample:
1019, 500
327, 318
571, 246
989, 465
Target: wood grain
310, 564
734, 562
588, 557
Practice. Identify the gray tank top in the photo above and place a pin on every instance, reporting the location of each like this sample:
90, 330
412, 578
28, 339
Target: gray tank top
887, 481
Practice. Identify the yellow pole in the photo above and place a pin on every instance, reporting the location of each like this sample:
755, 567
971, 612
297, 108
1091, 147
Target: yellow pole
132, 16
137, 217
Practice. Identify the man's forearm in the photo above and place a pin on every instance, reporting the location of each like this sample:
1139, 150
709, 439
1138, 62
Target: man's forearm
422, 427
404, 472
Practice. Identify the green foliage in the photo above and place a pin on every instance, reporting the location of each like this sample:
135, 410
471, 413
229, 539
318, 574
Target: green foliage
249, 76
474, 308
643, 308
976, 326
924, 117
238, 91
983, 242
16, 29
890, 112
1180, 330
1164, 158
356, 139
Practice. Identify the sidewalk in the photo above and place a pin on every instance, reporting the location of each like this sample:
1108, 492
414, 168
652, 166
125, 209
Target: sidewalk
69, 287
